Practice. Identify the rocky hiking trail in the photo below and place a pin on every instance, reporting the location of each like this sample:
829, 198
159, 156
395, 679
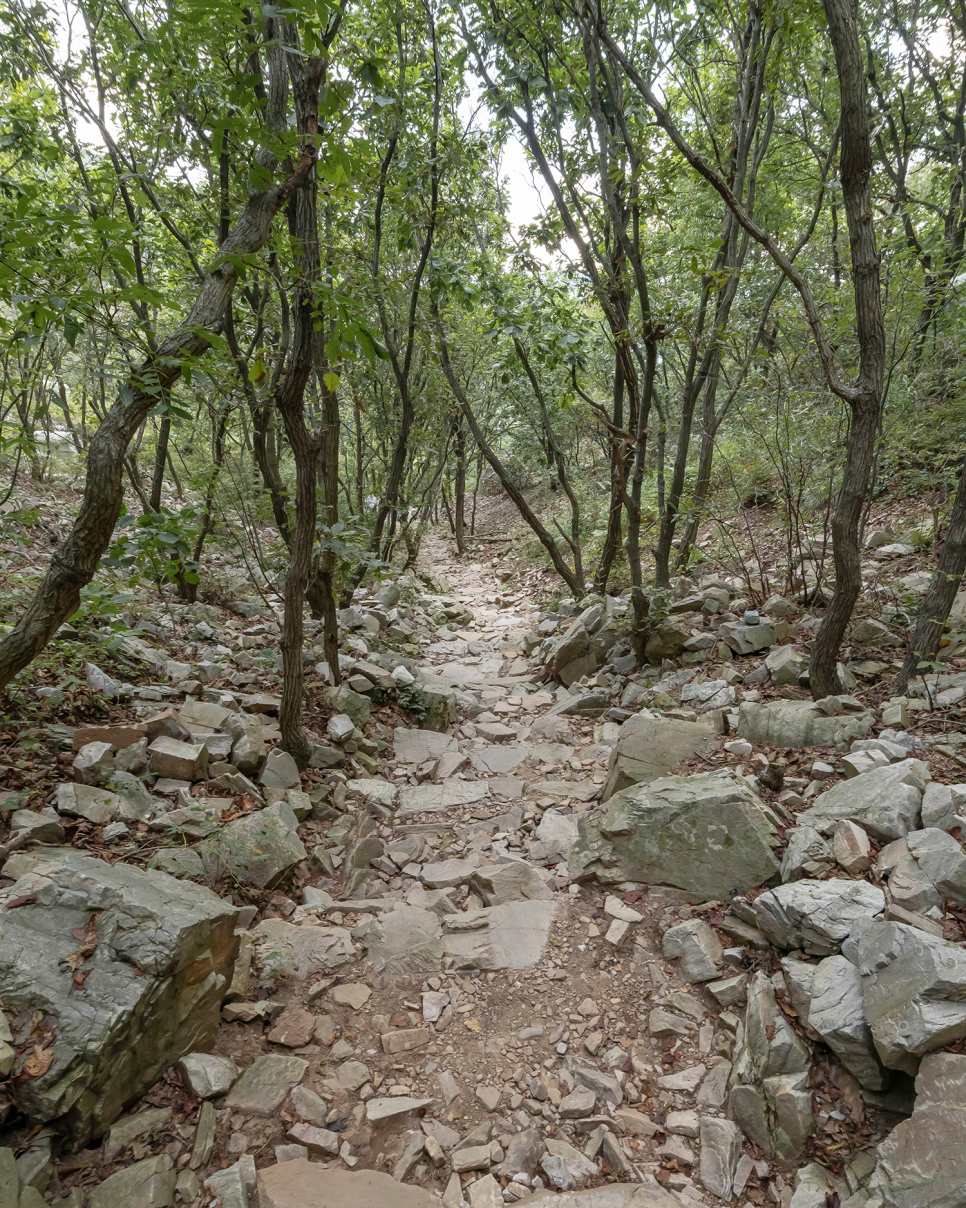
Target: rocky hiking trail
640, 940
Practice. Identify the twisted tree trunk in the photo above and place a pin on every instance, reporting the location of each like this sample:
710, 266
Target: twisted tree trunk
73, 566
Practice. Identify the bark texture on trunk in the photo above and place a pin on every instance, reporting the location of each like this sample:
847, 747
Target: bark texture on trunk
74, 564
290, 399
938, 600
866, 398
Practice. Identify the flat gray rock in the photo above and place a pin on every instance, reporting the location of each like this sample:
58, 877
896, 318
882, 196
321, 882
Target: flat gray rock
302, 951
416, 746
649, 747
262, 1088
437, 798
498, 758
510, 936
143, 1005
793, 723
884, 802
147, 1184
709, 834
407, 940
816, 915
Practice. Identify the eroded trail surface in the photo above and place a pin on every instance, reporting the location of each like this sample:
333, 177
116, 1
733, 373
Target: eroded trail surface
526, 949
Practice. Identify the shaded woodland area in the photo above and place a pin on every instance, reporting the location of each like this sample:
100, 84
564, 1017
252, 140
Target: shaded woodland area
263, 289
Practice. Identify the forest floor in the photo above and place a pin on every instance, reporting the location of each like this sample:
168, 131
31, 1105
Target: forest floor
550, 1047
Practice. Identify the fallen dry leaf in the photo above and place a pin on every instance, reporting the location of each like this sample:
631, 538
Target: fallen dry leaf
38, 1062
472, 1024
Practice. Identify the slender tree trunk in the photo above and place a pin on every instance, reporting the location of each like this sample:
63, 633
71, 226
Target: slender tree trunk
560, 566
867, 397
305, 355
938, 600
459, 502
612, 540
322, 599
208, 517
74, 564
160, 457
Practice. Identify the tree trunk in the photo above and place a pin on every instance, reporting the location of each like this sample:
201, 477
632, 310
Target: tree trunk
459, 502
208, 519
938, 600
867, 396
160, 457
322, 588
305, 355
560, 566
73, 565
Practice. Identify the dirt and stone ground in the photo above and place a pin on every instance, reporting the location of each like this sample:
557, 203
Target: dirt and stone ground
427, 989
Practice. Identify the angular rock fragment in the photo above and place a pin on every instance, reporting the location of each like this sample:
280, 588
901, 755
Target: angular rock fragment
697, 948
769, 1097
807, 852
649, 747
922, 1162
153, 969
884, 802
257, 849
787, 724
709, 834
913, 990
816, 915
837, 1014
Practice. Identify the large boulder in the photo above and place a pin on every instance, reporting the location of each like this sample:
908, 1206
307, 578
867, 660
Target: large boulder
884, 802
708, 834
802, 723
649, 746
257, 849
665, 641
913, 989
922, 1162
108, 974
816, 916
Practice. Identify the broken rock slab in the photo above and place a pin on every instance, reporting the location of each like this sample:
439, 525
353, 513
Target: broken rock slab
262, 1088
913, 990
769, 1098
697, 948
795, 723
515, 881
438, 798
509, 936
153, 985
816, 915
884, 802
709, 834
257, 849
922, 1162
302, 951
304, 1184
416, 746
407, 940
649, 747
837, 1014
